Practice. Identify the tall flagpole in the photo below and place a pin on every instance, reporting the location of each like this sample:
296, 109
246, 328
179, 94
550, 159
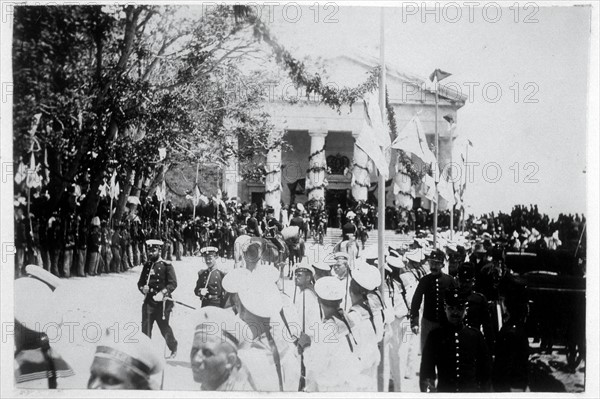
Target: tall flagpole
436, 174
382, 380
464, 208
195, 188
453, 199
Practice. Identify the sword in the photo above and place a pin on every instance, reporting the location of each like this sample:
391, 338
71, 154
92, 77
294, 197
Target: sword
180, 303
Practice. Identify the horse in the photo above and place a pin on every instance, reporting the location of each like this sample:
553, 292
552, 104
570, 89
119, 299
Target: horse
362, 234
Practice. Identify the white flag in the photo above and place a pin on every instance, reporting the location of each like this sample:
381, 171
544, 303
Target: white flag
21, 174
412, 139
374, 138
162, 153
161, 192
446, 191
196, 197
115, 191
33, 179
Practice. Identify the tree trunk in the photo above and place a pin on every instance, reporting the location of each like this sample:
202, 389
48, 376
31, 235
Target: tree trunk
136, 190
124, 195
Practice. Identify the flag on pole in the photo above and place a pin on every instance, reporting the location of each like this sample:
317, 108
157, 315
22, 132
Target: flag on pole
451, 126
21, 174
114, 189
196, 197
162, 153
438, 75
33, 179
412, 140
428, 188
161, 192
446, 191
104, 189
374, 138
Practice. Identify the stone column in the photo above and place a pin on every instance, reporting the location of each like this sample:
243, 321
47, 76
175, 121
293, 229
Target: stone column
273, 179
361, 179
315, 179
402, 188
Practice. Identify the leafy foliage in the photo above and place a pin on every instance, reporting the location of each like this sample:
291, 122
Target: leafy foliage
116, 83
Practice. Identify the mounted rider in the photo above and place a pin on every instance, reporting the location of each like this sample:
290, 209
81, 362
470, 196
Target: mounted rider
272, 228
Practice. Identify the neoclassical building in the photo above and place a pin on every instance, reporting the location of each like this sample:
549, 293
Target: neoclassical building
312, 128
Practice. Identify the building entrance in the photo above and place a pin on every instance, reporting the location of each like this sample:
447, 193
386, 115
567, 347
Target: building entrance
332, 199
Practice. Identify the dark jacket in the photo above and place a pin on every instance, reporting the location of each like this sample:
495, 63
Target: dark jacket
461, 358
433, 289
163, 276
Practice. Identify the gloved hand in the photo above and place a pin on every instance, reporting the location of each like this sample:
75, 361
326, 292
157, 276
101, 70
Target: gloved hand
203, 291
145, 289
159, 297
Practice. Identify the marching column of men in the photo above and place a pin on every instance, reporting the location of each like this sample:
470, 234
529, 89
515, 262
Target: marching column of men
333, 333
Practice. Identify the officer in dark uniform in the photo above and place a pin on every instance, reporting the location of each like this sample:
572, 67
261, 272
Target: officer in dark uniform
431, 289
209, 285
511, 361
272, 225
298, 221
157, 282
455, 353
349, 229
273, 228
477, 310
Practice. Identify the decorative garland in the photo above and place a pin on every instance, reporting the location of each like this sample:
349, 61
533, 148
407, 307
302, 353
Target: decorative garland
310, 190
357, 183
365, 168
278, 188
314, 154
316, 169
407, 193
273, 171
333, 97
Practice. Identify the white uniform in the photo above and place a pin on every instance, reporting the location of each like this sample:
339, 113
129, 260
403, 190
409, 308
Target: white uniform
259, 358
308, 311
332, 363
364, 329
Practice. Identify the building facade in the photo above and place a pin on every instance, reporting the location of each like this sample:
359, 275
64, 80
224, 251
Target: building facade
323, 137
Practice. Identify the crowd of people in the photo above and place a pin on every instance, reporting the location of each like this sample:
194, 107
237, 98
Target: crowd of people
338, 326
328, 335
67, 245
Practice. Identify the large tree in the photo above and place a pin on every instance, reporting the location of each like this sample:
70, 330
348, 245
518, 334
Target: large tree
113, 84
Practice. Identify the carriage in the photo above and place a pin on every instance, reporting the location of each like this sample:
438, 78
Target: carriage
556, 291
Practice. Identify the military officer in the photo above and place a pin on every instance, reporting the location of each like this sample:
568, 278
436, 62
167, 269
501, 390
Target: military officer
209, 285
430, 290
477, 310
455, 354
125, 364
349, 229
157, 282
